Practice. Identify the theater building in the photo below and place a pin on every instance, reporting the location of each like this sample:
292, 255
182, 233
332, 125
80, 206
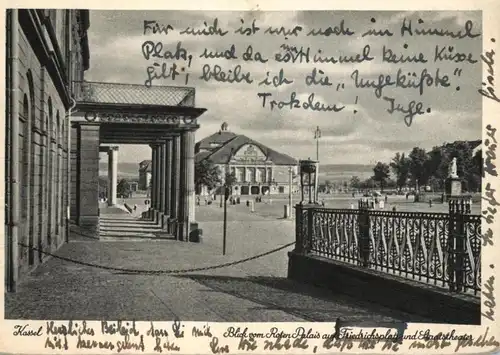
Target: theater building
259, 170
46, 51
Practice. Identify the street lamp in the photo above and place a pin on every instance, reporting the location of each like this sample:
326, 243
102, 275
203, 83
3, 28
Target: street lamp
227, 191
317, 136
308, 178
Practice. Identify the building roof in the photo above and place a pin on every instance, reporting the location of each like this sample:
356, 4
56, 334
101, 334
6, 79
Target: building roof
231, 142
218, 138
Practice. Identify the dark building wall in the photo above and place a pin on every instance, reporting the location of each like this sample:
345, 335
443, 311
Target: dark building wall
49, 56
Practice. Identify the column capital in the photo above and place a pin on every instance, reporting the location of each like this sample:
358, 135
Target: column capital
113, 148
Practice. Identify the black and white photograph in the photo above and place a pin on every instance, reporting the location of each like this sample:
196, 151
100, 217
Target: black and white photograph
247, 166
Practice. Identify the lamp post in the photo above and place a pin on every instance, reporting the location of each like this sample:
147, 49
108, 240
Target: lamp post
290, 171
308, 172
317, 136
226, 196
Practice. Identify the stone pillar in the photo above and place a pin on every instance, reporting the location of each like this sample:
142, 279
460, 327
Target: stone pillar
161, 164
112, 175
174, 187
153, 181
186, 201
157, 165
88, 191
168, 181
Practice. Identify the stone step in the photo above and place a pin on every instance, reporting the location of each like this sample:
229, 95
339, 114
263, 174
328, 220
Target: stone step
134, 237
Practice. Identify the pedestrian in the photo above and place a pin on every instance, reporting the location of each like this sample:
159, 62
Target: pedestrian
135, 208
385, 198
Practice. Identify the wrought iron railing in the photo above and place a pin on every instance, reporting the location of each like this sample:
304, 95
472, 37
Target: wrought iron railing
96, 92
441, 249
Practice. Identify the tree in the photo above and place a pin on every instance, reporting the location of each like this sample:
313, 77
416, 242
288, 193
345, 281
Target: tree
206, 174
123, 188
400, 165
418, 166
355, 182
381, 173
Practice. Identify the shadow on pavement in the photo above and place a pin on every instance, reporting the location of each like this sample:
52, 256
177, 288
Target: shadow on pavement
305, 301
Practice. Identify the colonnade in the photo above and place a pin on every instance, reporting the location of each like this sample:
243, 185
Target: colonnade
172, 185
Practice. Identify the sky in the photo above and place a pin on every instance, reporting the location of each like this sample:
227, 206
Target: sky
364, 132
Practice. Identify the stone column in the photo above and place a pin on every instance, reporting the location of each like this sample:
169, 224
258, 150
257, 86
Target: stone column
157, 166
168, 181
174, 187
88, 180
153, 181
112, 175
161, 164
186, 201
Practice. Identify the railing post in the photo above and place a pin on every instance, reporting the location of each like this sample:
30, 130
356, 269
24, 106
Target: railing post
299, 229
310, 229
456, 243
364, 233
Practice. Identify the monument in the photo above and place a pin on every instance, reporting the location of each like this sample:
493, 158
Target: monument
453, 183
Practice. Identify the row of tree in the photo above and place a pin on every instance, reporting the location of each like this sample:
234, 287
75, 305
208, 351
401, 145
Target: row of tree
428, 168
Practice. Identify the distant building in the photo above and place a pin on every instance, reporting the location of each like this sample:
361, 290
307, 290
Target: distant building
259, 170
145, 170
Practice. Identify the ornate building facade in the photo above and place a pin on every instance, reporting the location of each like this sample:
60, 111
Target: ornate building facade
46, 51
258, 170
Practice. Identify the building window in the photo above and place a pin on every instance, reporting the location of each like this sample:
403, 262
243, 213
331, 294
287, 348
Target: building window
50, 170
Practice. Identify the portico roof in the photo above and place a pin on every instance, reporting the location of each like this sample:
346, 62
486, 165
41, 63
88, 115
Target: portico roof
130, 113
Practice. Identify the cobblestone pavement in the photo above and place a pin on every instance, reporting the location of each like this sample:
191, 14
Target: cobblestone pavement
256, 290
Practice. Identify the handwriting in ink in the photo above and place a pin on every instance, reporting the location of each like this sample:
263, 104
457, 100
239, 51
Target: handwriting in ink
122, 328
277, 80
126, 344
487, 237
295, 103
488, 59
489, 165
358, 58
480, 342
336, 31
407, 29
205, 332
312, 80
300, 343
446, 53
57, 343
423, 79
248, 31
429, 344
232, 76
216, 348
489, 300
24, 330
378, 33
177, 329
72, 329
156, 28
292, 54
389, 56
414, 108
227, 54
152, 49
338, 343
93, 344
165, 73
247, 345
490, 195
207, 31
284, 31
167, 345
156, 332
250, 56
